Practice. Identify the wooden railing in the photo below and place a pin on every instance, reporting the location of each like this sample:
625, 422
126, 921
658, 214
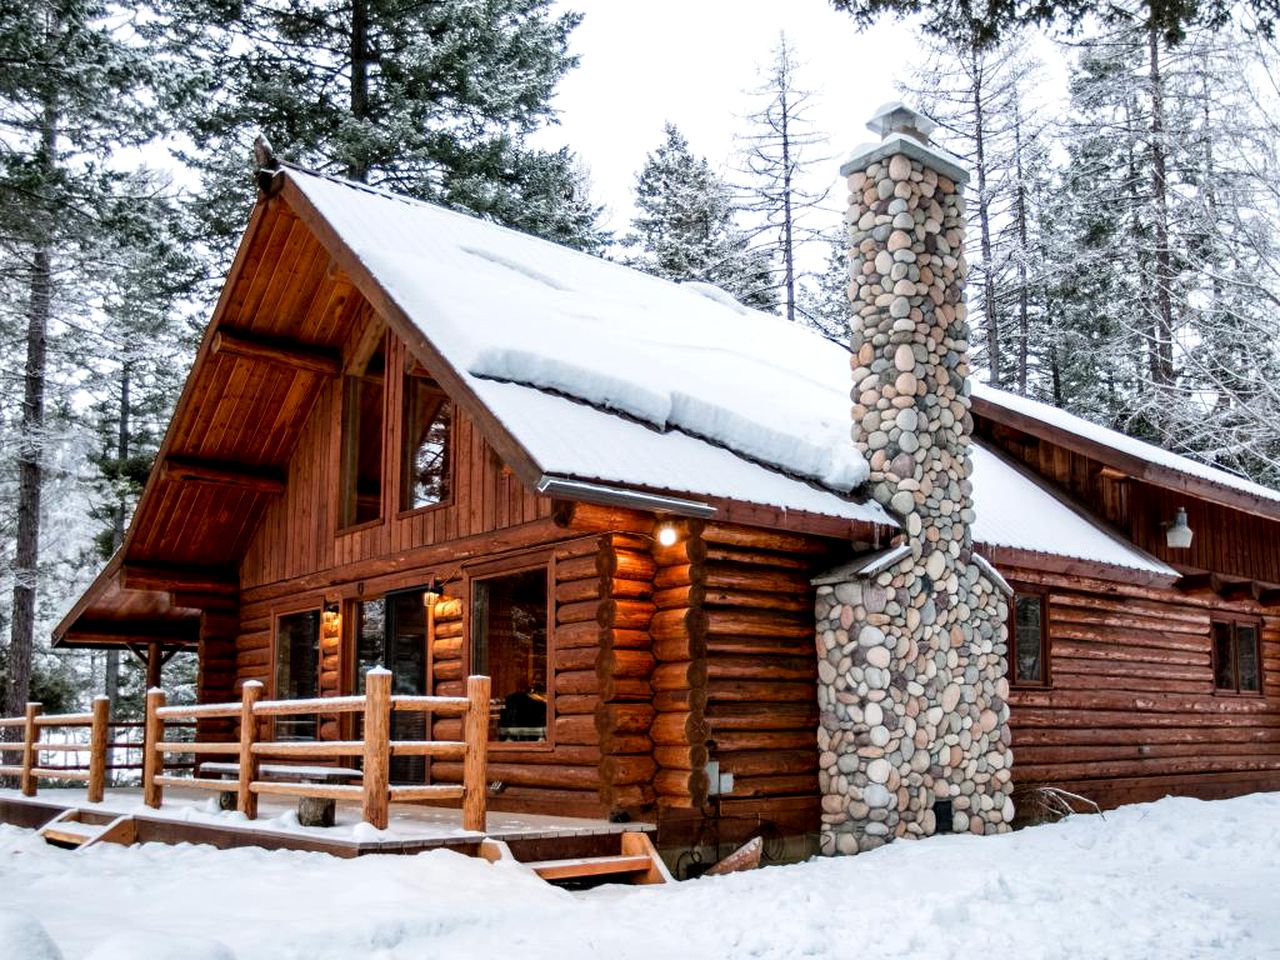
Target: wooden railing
376, 748
34, 725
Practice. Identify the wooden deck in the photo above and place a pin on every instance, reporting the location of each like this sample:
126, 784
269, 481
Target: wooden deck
190, 816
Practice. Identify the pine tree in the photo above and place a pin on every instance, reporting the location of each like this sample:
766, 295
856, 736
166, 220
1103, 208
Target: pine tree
434, 100
74, 89
778, 156
980, 97
684, 228
824, 300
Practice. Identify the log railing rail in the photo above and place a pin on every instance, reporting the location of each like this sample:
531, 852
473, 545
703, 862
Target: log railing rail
34, 724
376, 748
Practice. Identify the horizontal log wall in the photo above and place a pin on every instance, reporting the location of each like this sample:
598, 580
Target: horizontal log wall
761, 671
1131, 713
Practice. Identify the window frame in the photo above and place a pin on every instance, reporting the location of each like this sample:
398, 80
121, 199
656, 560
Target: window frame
412, 372
1046, 675
1234, 621
292, 610
348, 471
522, 563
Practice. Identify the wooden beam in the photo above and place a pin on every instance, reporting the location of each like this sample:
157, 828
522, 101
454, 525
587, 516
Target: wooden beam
298, 356
1230, 589
140, 576
258, 479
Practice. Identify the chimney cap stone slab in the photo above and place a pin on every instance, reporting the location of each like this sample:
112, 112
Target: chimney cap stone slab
931, 156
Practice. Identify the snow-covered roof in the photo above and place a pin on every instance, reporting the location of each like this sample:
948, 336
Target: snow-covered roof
676, 387
1012, 510
1121, 443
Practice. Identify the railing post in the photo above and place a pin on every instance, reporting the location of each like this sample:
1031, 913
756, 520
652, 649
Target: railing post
152, 759
246, 799
98, 748
476, 735
30, 734
377, 746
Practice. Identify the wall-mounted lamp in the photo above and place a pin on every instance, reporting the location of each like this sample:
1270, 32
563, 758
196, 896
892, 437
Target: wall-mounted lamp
667, 535
333, 608
1177, 534
434, 592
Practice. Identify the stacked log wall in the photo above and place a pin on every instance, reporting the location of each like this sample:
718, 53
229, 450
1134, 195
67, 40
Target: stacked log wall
1131, 712
757, 616
679, 730
216, 670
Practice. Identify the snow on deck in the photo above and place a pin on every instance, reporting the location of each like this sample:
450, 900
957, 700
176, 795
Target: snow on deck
1012, 510
1180, 878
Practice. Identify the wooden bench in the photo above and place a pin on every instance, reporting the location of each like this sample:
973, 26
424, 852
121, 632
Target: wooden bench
312, 811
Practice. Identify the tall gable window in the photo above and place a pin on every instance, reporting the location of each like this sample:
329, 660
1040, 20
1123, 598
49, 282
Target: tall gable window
426, 460
1236, 667
362, 421
1029, 640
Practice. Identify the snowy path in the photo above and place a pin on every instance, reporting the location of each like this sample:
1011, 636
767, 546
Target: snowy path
1175, 879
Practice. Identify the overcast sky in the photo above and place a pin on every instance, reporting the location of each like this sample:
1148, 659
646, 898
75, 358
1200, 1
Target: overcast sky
693, 61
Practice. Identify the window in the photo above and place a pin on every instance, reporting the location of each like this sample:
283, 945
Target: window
1235, 656
362, 443
391, 632
297, 670
509, 630
1028, 641
425, 460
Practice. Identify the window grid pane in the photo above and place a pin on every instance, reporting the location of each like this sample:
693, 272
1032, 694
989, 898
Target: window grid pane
1029, 639
297, 670
1247, 658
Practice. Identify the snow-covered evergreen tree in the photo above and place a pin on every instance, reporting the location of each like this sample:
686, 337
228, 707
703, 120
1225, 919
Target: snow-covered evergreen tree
435, 100
76, 87
685, 227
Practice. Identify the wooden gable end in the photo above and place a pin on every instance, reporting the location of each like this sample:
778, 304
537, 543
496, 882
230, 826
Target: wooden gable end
299, 533
1228, 541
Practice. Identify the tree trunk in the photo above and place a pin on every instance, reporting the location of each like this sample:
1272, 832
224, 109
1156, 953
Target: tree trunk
984, 220
358, 167
1020, 215
26, 561
788, 250
1163, 367
123, 437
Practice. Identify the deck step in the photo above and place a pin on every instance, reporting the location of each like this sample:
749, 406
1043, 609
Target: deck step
579, 867
68, 831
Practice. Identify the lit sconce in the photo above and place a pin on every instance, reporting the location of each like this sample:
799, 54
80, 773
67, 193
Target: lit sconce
668, 535
434, 592
1177, 534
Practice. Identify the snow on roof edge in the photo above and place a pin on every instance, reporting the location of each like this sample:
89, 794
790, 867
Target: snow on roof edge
1118, 441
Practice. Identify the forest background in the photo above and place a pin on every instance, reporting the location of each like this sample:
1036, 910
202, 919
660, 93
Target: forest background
1124, 207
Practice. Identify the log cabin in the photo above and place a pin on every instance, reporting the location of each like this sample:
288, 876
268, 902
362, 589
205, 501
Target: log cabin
414, 439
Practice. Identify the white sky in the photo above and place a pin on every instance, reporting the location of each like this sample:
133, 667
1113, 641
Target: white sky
693, 61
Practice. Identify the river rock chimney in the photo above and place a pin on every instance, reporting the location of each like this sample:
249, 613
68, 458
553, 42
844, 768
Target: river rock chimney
912, 641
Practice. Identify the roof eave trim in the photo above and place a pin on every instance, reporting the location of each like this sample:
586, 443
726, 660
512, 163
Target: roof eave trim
569, 489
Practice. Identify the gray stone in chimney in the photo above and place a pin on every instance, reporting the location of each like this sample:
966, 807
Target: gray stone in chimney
912, 642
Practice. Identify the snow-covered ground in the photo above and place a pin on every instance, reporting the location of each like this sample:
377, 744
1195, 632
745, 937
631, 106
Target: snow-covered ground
1175, 879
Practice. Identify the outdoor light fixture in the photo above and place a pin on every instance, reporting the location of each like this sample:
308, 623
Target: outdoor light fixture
434, 591
668, 535
1177, 534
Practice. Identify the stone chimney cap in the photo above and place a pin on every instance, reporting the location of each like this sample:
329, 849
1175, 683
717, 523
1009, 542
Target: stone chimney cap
896, 117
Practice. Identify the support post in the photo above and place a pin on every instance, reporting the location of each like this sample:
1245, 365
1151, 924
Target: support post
476, 735
152, 760
30, 734
246, 799
154, 663
377, 746
98, 732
